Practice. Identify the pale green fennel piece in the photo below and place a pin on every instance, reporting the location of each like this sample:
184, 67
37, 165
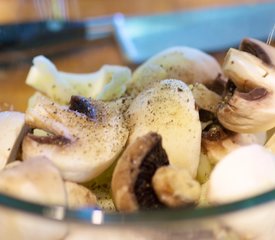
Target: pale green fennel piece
108, 83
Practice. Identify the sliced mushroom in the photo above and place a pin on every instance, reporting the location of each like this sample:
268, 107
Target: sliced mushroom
259, 49
86, 137
187, 64
131, 183
176, 187
244, 173
217, 142
168, 108
251, 107
13, 129
79, 196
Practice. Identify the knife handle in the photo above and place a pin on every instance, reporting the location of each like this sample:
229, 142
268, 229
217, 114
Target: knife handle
30, 34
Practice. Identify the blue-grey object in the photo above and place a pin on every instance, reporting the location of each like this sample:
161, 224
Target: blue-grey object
139, 37
210, 30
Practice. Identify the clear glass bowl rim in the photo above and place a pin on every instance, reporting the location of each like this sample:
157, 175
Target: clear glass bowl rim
96, 216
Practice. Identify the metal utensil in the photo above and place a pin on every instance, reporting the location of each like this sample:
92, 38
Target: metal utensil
139, 37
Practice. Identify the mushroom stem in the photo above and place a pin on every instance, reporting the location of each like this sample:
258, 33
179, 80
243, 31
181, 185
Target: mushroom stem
205, 98
131, 182
175, 187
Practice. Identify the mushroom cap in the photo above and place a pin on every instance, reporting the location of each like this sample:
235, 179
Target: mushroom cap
81, 146
13, 129
183, 63
168, 108
131, 181
251, 108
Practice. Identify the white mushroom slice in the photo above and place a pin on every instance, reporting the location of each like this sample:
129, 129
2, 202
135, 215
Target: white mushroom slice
251, 107
175, 187
87, 136
79, 196
263, 51
12, 129
168, 108
38, 181
259, 49
217, 142
186, 64
244, 173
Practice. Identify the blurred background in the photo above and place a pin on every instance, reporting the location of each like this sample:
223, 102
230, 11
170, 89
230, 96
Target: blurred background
78, 56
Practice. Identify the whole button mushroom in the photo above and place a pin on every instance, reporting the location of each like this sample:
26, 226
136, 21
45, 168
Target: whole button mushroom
263, 51
183, 63
244, 173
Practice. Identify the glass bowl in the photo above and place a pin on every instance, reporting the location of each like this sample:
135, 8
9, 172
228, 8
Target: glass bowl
25, 220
